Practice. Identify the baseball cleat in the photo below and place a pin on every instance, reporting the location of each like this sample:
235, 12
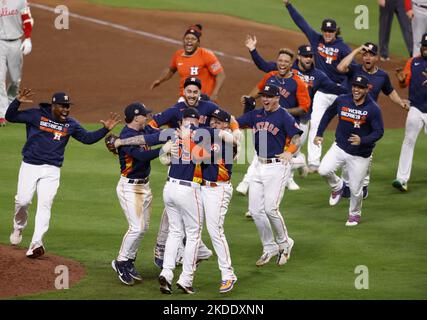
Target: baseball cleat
353, 220
242, 188
265, 258
291, 185
187, 290
285, 254
401, 186
35, 251
303, 171
130, 266
335, 197
159, 252
165, 286
15, 237
248, 215
365, 192
313, 169
226, 286
121, 268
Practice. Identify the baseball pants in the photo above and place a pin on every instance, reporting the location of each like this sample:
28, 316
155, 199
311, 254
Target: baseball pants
135, 200
11, 61
215, 203
185, 214
321, 103
357, 168
366, 180
266, 191
45, 180
419, 27
414, 123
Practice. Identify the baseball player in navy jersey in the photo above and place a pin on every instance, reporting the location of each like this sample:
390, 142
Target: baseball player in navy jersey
360, 126
329, 50
48, 130
272, 126
379, 81
15, 22
413, 76
133, 190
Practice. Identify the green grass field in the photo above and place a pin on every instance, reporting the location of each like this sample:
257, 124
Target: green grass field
88, 224
272, 12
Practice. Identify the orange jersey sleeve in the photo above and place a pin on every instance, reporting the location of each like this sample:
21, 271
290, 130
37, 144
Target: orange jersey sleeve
212, 62
263, 81
302, 95
407, 70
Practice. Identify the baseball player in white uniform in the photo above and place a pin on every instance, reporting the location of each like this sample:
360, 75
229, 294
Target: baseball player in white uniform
417, 12
15, 22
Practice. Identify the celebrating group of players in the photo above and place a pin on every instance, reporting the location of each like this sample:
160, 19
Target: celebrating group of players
299, 95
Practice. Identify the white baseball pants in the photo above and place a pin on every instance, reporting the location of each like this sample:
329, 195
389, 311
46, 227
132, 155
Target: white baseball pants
419, 27
11, 61
45, 180
414, 123
184, 208
135, 200
366, 179
266, 191
215, 204
357, 168
321, 103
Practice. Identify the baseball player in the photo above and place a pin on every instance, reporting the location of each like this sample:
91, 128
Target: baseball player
413, 76
417, 12
330, 50
360, 126
272, 126
133, 190
183, 205
379, 81
15, 22
48, 130
195, 61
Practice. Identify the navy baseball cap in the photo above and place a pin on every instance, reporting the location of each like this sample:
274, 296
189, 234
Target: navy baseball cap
424, 40
373, 48
360, 81
61, 98
221, 115
305, 50
270, 91
194, 81
191, 113
329, 25
135, 109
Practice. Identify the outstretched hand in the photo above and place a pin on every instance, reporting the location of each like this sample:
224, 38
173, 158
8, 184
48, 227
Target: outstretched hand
24, 95
250, 42
112, 122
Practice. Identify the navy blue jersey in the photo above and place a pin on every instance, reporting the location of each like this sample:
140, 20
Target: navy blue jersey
416, 79
173, 115
364, 120
378, 81
135, 160
218, 167
327, 56
46, 136
271, 130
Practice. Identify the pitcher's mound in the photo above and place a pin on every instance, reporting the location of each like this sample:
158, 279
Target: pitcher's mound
20, 275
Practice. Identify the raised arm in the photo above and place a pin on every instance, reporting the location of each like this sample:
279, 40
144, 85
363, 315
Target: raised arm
343, 66
261, 64
309, 32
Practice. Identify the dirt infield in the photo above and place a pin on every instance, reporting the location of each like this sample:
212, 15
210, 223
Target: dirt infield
22, 276
104, 69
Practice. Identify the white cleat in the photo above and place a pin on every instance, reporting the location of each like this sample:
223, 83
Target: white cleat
335, 196
248, 215
265, 258
285, 254
16, 237
291, 185
243, 188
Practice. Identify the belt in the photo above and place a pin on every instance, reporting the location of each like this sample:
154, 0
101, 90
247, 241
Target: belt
269, 160
183, 182
138, 181
420, 5
214, 184
10, 40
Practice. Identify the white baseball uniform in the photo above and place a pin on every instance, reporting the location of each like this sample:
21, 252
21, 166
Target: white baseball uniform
419, 23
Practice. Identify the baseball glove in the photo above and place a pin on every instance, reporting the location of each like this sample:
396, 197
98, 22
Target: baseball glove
109, 143
249, 104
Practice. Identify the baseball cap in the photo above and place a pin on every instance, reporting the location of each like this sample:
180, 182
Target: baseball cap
305, 50
372, 47
270, 91
360, 81
135, 109
424, 39
221, 115
194, 81
191, 113
329, 25
195, 29
61, 98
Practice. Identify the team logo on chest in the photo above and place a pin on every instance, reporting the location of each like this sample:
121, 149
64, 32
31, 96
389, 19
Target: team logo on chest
194, 71
356, 116
57, 129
